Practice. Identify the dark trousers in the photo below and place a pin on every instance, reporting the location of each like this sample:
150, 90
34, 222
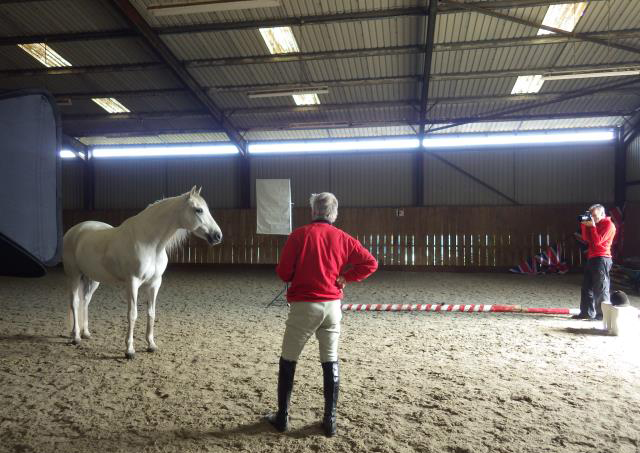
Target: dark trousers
595, 286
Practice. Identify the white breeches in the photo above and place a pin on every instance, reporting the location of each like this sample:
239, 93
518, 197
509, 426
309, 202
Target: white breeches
307, 318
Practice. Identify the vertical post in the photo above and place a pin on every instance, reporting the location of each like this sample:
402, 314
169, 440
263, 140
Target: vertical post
424, 97
620, 172
89, 181
244, 181
418, 177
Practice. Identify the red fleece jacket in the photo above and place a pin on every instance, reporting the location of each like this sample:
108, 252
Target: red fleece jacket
313, 258
599, 238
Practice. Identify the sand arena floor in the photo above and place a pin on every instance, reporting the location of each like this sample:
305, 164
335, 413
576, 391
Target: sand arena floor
424, 382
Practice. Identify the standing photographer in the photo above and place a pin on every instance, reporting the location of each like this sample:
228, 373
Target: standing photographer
598, 232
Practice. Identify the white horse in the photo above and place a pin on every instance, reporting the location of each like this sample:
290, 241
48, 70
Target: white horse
133, 254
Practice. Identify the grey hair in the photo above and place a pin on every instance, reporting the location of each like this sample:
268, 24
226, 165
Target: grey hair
324, 206
598, 207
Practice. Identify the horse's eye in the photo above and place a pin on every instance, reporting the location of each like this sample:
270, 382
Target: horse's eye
199, 210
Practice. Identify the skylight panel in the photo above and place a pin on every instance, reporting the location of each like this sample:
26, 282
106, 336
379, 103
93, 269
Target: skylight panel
528, 84
564, 16
306, 99
111, 105
279, 40
44, 54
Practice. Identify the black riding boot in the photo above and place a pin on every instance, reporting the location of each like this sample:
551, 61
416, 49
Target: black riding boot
331, 375
280, 419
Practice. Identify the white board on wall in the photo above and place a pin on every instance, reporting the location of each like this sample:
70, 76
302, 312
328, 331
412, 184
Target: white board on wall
273, 202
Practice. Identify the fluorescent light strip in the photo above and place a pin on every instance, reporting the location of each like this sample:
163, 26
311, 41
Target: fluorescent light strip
590, 75
111, 105
163, 151
208, 7
332, 146
67, 154
287, 92
564, 17
45, 55
459, 141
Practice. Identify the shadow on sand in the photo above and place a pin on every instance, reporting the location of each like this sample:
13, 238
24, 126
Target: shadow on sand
585, 331
33, 339
251, 429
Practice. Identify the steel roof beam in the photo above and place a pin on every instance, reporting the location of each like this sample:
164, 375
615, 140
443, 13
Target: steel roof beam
290, 21
428, 56
365, 81
164, 53
632, 130
75, 70
355, 53
442, 100
579, 36
413, 105
498, 115
120, 128
418, 167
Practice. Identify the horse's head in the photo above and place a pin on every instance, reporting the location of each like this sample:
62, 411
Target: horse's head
197, 218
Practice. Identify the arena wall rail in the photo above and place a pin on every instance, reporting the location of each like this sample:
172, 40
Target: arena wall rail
433, 238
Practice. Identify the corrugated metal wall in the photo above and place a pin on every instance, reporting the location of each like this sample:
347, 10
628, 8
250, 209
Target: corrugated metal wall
217, 176
372, 179
444, 185
531, 175
134, 183
72, 184
633, 169
130, 183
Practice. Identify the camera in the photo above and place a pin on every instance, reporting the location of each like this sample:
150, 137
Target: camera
584, 217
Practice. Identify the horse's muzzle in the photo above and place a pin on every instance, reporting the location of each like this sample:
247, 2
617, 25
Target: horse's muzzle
215, 238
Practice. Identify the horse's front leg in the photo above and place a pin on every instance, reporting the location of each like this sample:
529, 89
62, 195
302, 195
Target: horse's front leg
154, 287
134, 285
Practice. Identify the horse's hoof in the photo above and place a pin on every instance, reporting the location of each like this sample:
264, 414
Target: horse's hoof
86, 335
152, 348
76, 341
130, 355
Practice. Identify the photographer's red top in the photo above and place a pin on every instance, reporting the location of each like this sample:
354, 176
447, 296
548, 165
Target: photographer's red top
313, 258
599, 238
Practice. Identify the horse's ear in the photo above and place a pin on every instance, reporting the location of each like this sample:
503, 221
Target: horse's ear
193, 190
199, 190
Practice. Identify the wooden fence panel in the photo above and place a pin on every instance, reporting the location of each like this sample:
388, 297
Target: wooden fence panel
465, 237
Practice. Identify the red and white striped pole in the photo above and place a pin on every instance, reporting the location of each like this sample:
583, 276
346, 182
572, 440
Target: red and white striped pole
468, 308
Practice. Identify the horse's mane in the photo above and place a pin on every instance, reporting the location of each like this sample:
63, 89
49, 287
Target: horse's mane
176, 240
181, 234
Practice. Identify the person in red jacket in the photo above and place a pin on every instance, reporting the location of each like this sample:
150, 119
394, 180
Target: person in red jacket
598, 233
317, 261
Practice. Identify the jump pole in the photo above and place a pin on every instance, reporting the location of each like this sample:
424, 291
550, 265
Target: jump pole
467, 308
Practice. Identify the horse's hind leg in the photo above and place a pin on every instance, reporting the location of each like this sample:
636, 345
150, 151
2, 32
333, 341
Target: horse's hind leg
89, 287
76, 289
